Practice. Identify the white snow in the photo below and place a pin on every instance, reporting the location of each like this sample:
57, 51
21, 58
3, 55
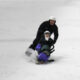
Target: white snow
19, 21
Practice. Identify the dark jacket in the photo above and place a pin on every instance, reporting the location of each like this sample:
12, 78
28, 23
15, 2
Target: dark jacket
46, 26
46, 45
45, 42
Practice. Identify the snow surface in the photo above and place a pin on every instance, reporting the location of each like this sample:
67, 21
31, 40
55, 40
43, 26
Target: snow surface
19, 21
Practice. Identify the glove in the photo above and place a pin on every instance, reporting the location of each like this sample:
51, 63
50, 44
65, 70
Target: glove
38, 47
52, 49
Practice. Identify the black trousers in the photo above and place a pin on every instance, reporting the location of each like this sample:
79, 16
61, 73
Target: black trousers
36, 41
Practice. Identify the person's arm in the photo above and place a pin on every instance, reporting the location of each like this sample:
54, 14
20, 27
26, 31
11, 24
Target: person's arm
56, 34
38, 47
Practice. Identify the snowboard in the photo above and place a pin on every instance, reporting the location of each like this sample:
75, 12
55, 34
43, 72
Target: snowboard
41, 62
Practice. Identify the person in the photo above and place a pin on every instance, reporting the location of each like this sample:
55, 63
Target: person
44, 47
49, 25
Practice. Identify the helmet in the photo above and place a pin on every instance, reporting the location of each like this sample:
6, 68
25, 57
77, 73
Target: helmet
46, 32
52, 18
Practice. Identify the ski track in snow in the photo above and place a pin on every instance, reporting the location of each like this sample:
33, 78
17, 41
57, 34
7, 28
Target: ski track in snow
19, 21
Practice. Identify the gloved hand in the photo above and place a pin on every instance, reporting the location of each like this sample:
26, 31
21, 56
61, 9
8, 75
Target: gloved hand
38, 47
52, 49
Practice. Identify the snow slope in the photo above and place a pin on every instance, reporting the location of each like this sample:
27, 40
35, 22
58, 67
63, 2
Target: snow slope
19, 21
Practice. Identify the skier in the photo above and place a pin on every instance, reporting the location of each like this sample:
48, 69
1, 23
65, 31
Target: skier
49, 25
44, 47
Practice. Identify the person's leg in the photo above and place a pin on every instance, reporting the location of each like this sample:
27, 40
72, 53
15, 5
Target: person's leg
31, 48
34, 44
43, 57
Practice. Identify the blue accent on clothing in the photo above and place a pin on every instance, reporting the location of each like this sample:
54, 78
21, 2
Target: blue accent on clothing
43, 57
